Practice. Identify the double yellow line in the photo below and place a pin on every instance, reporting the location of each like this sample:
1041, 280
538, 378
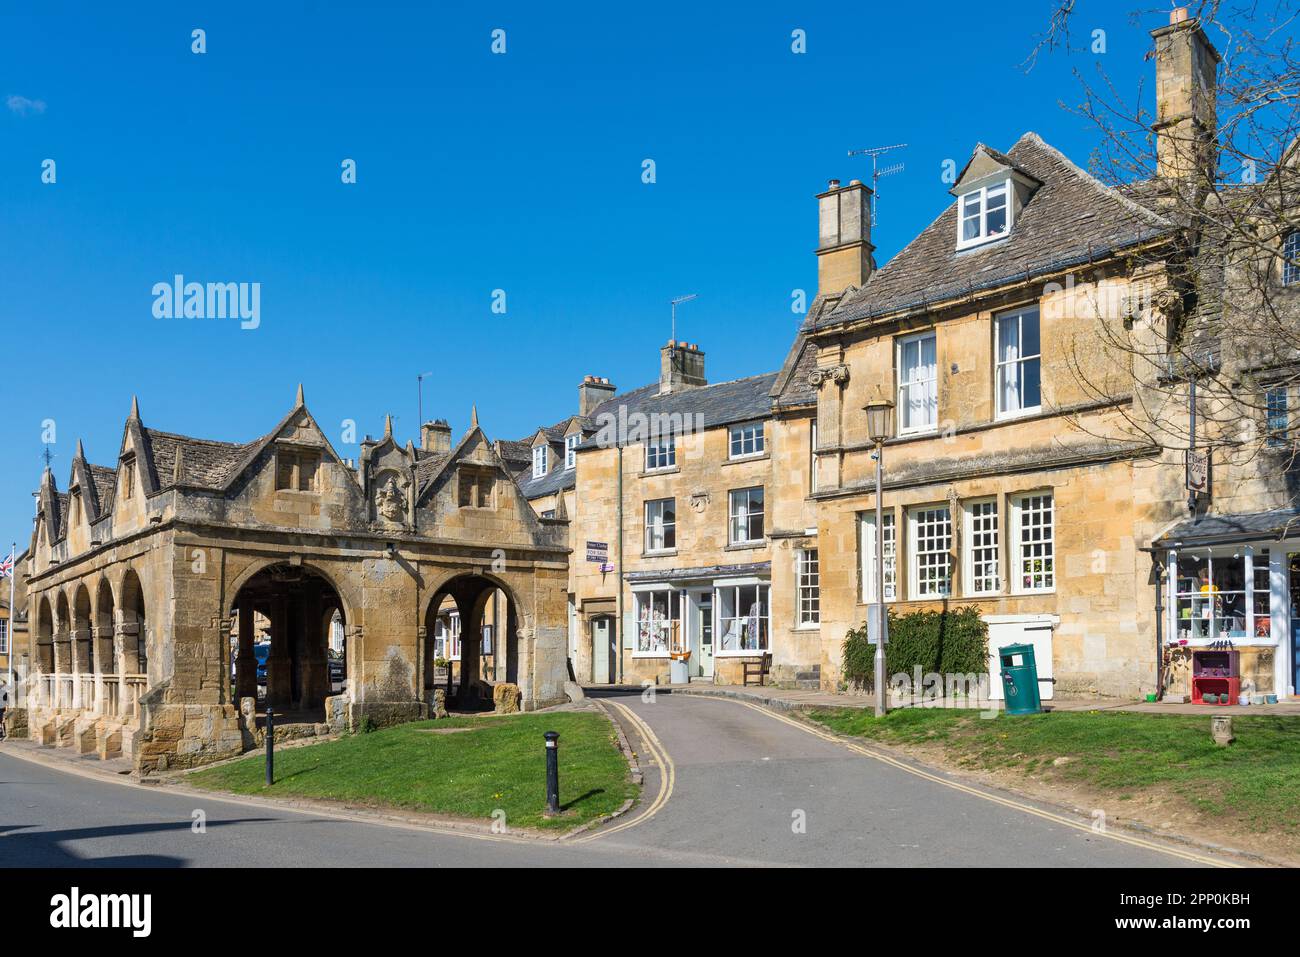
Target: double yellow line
667, 775
987, 796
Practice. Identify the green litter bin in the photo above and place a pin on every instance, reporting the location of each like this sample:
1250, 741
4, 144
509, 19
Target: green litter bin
1020, 681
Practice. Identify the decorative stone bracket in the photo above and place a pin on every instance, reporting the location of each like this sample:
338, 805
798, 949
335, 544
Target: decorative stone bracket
838, 374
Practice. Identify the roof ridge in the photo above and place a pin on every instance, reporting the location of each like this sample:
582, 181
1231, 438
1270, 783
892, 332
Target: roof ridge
1093, 182
193, 438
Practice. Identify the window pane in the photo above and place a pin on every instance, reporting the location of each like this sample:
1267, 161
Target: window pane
1029, 333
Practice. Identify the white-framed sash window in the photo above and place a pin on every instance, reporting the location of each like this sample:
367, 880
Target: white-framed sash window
1019, 382
930, 551
1033, 547
539, 461
809, 576
868, 549
571, 450
746, 515
983, 546
918, 383
746, 440
661, 453
661, 525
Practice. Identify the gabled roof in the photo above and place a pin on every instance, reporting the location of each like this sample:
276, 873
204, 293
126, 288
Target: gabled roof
557, 479
1072, 219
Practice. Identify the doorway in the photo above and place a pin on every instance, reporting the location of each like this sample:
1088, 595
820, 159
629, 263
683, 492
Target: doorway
701, 636
602, 650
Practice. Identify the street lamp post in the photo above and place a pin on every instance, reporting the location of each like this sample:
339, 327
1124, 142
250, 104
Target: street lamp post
878, 428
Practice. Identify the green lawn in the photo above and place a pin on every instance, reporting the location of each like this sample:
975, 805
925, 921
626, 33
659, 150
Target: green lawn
499, 763
1254, 784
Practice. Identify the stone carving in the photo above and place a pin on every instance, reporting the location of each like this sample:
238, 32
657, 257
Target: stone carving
390, 502
699, 500
838, 374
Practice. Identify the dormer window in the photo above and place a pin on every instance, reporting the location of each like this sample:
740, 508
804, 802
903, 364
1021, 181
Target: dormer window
539, 461
571, 450
984, 214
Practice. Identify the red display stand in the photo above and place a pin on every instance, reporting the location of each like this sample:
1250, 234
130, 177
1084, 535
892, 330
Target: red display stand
1216, 686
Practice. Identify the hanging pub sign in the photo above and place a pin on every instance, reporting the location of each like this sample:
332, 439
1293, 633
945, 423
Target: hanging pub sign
598, 552
1198, 472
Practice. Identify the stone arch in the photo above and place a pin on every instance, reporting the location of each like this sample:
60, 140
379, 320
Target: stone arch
296, 602
44, 635
135, 624
103, 626
62, 628
347, 603
80, 643
471, 591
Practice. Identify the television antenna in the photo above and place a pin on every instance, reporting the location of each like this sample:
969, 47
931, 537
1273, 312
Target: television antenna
877, 173
675, 303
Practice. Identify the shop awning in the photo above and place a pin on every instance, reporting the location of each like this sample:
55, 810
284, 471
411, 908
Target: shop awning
674, 575
1230, 529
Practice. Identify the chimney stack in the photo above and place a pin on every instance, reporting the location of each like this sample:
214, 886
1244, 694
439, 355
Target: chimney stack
681, 366
592, 392
1185, 127
843, 237
435, 436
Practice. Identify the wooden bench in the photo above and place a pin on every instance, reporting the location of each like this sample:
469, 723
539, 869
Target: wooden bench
757, 668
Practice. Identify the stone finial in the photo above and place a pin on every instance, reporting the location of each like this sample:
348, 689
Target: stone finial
135, 408
473, 416
301, 401
81, 451
388, 426
178, 467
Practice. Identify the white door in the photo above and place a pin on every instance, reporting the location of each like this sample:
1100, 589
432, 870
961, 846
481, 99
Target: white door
701, 634
1035, 630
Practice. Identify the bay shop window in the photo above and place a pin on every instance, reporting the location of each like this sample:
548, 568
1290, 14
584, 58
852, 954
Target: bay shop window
1220, 595
738, 614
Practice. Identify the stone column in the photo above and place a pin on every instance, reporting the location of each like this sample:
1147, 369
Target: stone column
315, 669
279, 682
245, 659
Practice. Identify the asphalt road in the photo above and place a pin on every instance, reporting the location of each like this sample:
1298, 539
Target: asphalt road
726, 783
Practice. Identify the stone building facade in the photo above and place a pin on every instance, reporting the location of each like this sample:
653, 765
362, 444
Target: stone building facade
145, 573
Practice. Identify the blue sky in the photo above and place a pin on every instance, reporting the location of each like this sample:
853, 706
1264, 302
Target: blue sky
475, 172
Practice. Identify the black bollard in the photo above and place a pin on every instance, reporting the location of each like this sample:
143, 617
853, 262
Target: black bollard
270, 746
552, 772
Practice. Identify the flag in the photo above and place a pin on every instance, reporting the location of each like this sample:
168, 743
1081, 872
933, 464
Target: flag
7, 566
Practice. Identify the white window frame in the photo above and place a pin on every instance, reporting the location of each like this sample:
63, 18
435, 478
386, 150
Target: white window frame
4, 636
656, 633
662, 527
981, 516
920, 519
448, 635
867, 547
1019, 505
999, 364
980, 198
661, 453
733, 516
808, 588
571, 450
746, 433
763, 597
540, 463
905, 385
1291, 259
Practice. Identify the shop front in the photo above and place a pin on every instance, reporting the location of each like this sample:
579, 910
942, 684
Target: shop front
1231, 606
709, 620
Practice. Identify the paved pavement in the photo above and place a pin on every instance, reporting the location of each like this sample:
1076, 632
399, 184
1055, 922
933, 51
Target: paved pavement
726, 783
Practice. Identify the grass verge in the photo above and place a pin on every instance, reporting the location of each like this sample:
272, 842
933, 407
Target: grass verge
1167, 762
498, 764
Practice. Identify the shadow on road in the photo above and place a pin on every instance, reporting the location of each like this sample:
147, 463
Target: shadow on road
24, 847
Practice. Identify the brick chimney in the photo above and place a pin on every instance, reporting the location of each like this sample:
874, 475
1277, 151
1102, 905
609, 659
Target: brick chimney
593, 391
843, 237
1185, 127
435, 436
681, 366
